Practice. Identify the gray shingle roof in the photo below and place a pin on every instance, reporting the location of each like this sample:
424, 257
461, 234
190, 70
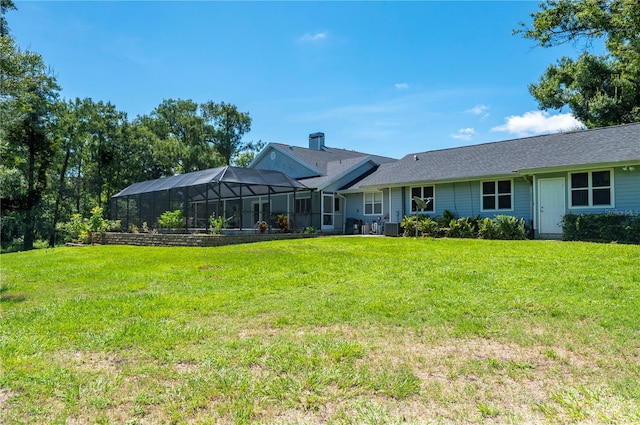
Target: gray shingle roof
579, 148
320, 159
335, 169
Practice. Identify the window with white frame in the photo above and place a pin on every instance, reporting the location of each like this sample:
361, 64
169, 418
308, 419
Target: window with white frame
303, 206
497, 195
591, 189
373, 203
425, 193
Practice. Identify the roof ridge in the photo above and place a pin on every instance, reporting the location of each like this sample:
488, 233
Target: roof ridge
519, 139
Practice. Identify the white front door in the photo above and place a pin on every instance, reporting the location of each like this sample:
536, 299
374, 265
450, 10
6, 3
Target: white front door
552, 205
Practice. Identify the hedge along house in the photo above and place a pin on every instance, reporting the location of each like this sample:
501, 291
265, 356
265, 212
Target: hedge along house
539, 178
243, 196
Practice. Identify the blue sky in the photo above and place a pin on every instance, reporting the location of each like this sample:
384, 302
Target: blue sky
389, 78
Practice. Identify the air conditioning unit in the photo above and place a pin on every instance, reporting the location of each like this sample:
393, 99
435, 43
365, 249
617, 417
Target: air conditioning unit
392, 229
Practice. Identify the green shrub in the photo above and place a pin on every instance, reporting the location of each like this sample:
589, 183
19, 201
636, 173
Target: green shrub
426, 226
72, 229
606, 227
510, 228
466, 227
216, 224
488, 229
445, 220
282, 220
310, 230
500, 227
97, 223
115, 226
408, 225
171, 219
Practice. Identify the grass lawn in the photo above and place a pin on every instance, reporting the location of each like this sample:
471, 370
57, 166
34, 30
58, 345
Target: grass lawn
340, 330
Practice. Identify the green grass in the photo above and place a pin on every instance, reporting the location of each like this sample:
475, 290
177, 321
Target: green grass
329, 330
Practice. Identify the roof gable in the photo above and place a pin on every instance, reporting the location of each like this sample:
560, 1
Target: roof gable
274, 157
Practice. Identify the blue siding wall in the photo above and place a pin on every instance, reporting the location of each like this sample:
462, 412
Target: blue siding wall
283, 164
626, 194
627, 191
464, 199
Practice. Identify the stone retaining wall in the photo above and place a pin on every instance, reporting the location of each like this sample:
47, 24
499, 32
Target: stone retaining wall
157, 239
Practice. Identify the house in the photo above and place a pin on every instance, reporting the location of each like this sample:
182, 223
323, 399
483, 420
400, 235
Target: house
327, 172
539, 179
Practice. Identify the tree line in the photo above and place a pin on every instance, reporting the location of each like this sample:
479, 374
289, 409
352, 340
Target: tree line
61, 157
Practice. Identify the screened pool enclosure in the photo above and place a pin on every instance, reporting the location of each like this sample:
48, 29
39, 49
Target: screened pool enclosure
243, 196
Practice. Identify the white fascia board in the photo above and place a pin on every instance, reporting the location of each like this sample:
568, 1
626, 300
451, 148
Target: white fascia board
260, 155
573, 167
434, 182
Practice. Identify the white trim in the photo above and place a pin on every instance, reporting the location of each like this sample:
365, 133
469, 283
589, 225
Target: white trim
590, 188
431, 204
323, 213
538, 206
496, 195
364, 203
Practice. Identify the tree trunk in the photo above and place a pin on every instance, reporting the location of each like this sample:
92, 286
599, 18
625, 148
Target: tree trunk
29, 217
59, 195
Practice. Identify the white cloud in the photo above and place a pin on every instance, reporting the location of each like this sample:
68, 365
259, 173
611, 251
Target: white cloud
478, 110
464, 134
314, 37
402, 86
538, 122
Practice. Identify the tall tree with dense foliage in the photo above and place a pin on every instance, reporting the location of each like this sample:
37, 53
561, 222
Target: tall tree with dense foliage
182, 127
601, 90
229, 126
28, 95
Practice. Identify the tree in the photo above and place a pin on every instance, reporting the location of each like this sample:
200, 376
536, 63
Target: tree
5, 6
28, 94
229, 125
245, 157
601, 90
182, 126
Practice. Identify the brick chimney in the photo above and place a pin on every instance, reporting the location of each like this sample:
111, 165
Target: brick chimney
316, 141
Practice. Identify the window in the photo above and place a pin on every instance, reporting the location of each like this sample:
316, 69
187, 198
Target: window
497, 195
303, 206
590, 189
373, 203
422, 193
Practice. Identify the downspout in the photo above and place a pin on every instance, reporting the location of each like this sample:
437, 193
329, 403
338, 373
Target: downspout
390, 209
404, 201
